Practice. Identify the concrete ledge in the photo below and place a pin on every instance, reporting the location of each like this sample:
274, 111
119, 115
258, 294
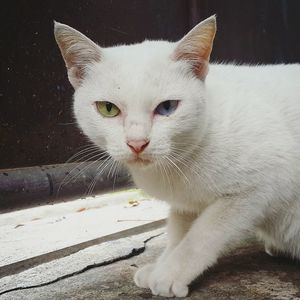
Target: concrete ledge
41, 234
247, 273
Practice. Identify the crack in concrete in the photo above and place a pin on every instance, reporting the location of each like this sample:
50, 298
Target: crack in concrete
134, 252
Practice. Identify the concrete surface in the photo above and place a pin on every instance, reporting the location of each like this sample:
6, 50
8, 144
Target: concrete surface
247, 273
91, 257
36, 232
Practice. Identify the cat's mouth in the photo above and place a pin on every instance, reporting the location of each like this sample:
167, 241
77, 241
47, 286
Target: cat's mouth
138, 161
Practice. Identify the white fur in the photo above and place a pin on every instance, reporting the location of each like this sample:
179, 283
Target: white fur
227, 161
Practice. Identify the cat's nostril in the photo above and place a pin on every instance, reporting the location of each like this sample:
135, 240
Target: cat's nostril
137, 146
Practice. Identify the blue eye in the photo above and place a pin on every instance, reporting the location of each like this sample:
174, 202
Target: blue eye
166, 108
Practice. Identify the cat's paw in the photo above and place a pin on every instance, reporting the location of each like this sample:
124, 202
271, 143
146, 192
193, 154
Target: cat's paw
163, 282
141, 277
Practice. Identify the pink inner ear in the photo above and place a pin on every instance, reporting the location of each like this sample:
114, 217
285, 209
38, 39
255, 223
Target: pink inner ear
201, 69
75, 75
77, 60
77, 50
198, 63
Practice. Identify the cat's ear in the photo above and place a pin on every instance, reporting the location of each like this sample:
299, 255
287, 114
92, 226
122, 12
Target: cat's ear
77, 50
196, 46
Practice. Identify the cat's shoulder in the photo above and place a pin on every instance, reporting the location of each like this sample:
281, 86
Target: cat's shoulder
248, 69
256, 75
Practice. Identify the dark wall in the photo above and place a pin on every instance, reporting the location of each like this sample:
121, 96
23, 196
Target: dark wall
256, 31
36, 123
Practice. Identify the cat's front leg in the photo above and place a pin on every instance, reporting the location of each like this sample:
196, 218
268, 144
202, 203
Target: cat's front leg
177, 226
221, 225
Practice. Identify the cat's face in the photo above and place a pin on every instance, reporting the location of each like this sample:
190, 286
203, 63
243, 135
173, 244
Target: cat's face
159, 103
144, 103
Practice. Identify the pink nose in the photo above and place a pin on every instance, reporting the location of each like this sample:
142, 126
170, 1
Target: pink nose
137, 146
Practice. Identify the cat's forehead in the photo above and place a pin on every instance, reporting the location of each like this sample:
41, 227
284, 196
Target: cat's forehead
143, 61
138, 72
144, 52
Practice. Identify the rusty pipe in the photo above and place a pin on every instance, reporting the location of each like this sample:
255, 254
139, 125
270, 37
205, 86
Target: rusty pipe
49, 184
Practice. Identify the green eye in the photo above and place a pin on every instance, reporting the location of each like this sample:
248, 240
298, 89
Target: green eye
107, 109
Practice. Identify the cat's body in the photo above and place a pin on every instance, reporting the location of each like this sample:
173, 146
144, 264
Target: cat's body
226, 157
252, 146
235, 123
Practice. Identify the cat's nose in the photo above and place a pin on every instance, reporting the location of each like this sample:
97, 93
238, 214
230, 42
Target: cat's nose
137, 146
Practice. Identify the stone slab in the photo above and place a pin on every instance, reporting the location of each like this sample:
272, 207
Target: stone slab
34, 232
247, 273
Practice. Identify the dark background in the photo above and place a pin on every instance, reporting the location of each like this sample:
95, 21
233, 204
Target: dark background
36, 123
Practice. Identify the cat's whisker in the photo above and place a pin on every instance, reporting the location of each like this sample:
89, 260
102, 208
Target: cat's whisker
92, 159
82, 152
179, 155
199, 172
170, 173
185, 144
195, 169
184, 161
88, 150
168, 170
177, 169
161, 172
85, 156
69, 175
77, 167
115, 172
94, 181
179, 152
110, 172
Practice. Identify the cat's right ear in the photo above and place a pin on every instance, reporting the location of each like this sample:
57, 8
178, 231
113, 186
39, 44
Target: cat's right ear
77, 50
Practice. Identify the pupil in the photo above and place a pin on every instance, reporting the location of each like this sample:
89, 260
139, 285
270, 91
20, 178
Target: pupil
108, 106
167, 105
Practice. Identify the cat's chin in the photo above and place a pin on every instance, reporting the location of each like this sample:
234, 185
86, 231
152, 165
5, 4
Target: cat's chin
139, 162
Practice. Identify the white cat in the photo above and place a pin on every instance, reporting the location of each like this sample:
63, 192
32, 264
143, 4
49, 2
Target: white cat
223, 150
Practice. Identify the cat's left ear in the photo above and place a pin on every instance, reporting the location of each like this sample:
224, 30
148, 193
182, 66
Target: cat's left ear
77, 50
196, 46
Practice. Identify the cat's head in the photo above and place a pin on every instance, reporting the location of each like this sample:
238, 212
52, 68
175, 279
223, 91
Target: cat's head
143, 103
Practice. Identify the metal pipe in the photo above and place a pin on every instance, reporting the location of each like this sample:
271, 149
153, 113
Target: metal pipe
40, 185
